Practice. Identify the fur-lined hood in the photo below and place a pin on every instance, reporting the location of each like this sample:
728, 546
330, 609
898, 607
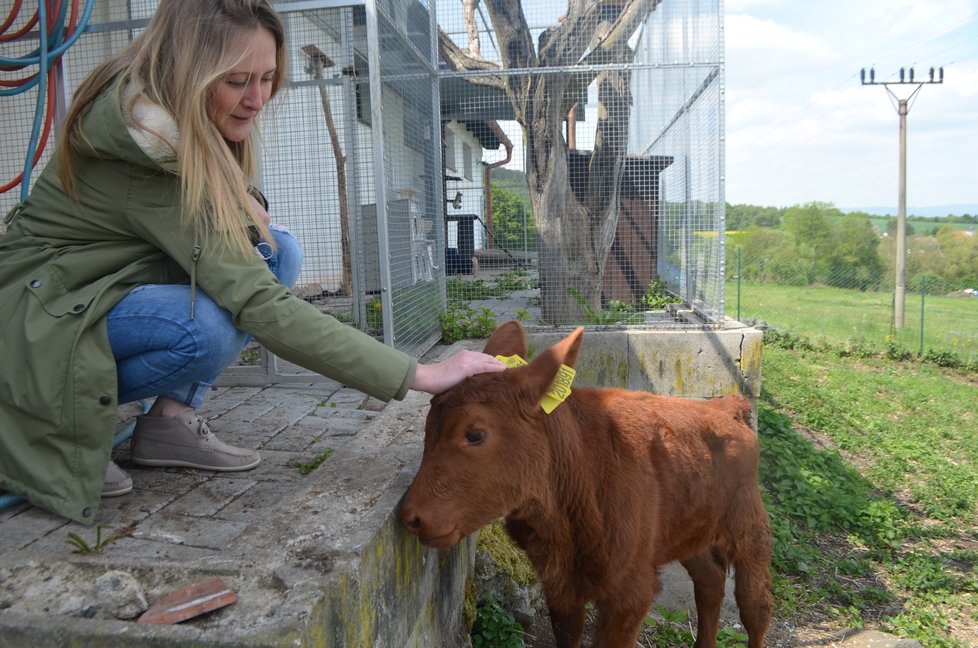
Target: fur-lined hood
150, 125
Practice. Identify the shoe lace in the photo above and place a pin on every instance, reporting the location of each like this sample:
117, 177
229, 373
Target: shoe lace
202, 428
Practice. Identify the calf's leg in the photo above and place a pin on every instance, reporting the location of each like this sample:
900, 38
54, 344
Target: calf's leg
752, 573
568, 627
709, 579
753, 593
619, 623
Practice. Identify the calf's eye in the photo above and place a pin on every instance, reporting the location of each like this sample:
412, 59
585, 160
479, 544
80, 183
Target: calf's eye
475, 437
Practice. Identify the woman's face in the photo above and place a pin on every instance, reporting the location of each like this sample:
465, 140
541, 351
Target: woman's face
238, 97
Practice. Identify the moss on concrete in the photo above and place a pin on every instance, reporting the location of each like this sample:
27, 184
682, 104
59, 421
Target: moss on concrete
511, 560
469, 605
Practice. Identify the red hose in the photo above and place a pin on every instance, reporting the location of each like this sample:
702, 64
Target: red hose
43, 140
10, 18
49, 108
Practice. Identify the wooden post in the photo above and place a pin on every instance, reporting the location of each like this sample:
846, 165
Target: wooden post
319, 61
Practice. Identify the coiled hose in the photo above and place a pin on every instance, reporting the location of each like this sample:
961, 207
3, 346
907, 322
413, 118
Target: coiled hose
55, 35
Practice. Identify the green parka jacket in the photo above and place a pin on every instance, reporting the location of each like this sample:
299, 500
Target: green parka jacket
64, 263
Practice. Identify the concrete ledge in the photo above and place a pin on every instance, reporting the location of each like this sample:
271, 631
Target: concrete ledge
331, 567
684, 363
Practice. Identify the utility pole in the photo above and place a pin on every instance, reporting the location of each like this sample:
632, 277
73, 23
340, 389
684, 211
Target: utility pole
903, 107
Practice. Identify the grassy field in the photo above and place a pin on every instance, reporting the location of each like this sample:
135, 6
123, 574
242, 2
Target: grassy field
853, 318
871, 475
919, 225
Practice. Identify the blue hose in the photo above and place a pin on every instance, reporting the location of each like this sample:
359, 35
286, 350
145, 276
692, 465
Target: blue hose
10, 499
42, 93
34, 58
44, 59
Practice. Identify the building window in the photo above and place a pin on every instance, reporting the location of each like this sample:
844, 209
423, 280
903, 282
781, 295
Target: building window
467, 161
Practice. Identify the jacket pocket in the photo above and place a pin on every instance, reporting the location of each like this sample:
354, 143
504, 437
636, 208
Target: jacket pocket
37, 345
54, 298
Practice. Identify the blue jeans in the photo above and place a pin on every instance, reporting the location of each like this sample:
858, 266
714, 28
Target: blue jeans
160, 351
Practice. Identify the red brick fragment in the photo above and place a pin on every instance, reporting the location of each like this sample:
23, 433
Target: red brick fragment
191, 601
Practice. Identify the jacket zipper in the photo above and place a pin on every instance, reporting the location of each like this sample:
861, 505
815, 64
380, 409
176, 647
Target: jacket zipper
193, 279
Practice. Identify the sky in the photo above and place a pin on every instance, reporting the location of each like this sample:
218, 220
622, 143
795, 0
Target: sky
800, 127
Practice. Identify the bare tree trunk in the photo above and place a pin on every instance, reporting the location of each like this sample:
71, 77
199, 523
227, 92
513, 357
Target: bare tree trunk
562, 222
469, 8
576, 218
607, 162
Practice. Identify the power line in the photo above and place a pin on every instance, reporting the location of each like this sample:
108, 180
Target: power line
903, 108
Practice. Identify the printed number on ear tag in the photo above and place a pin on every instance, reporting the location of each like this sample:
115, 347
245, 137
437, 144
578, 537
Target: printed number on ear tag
512, 361
559, 389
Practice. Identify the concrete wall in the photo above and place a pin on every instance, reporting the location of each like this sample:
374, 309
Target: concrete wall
684, 363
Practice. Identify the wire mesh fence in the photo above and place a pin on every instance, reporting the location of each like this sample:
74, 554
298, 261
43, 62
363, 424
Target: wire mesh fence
27, 110
564, 156
831, 279
605, 192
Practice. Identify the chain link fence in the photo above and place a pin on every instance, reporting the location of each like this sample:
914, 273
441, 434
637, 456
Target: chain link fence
813, 273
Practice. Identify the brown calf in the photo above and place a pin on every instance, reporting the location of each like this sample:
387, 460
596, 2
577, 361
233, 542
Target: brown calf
600, 493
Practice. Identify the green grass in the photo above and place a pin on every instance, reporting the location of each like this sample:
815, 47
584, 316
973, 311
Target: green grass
870, 473
307, 467
855, 319
919, 225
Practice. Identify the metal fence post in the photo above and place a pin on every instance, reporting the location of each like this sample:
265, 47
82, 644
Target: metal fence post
739, 250
923, 292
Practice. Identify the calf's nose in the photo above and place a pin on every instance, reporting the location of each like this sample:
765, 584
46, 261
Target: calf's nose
411, 520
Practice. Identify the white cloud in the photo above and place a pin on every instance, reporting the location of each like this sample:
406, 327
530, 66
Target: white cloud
801, 127
750, 36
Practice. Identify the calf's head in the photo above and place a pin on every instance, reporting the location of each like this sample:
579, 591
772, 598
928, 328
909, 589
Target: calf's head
486, 450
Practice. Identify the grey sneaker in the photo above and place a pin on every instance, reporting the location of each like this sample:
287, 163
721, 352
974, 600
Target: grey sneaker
116, 481
186, 441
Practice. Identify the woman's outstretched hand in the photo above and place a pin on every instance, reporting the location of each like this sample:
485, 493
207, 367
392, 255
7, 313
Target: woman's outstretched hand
436, 378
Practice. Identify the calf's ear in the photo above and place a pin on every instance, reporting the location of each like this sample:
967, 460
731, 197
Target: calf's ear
545, 366
570, 346
508, 339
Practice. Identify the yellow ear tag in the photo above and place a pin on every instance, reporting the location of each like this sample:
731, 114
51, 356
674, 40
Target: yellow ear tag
512, 361
559, 389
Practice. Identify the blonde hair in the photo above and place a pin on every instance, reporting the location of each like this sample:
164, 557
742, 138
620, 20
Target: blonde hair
175, 63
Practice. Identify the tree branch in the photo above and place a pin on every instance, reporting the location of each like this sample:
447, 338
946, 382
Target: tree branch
460, 60
513, 37
594, 32
613, 47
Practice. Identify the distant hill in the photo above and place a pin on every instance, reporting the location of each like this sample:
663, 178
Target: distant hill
924, 212
513, 180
